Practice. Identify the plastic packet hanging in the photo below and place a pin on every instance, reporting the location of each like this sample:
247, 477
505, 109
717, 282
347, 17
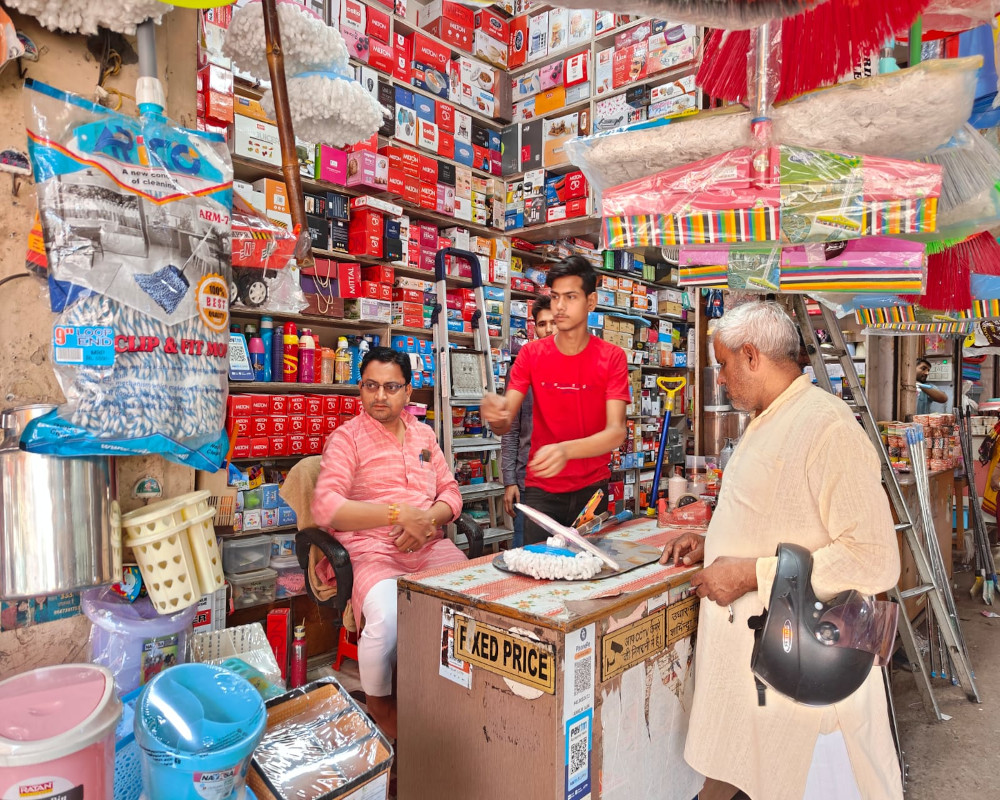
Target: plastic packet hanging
799, 196
10, 46
135, 215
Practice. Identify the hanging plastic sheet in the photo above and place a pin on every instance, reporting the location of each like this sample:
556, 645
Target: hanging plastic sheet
805, 196
135, 215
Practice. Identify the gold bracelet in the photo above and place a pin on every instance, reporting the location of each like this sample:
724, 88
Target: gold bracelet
393, 513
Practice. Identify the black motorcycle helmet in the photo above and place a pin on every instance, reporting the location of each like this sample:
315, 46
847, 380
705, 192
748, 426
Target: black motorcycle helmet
813, 652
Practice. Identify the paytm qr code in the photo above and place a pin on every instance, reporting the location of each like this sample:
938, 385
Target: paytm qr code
578, 747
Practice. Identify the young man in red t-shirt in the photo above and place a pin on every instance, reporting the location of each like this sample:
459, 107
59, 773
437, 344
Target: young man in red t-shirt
580, 388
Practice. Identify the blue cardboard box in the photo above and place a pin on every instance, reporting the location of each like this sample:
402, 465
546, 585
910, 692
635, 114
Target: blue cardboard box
269, 495
285, 516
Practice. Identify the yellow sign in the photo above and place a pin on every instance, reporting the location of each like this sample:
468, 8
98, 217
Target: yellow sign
682, 618
514, 657
633, 644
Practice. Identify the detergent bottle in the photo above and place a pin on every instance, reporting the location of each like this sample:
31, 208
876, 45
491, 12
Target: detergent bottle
291, 350
267, 337
307, 357
342, 362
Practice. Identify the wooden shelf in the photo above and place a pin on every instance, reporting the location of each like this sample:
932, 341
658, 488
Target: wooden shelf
551, 58
317, 320
581, 227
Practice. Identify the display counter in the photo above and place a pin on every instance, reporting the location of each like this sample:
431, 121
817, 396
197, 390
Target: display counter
942, 486
514, 687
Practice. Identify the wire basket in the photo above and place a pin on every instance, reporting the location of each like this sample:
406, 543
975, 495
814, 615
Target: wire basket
246, 642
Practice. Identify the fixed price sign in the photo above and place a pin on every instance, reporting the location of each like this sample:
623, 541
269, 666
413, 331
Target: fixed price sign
515, 657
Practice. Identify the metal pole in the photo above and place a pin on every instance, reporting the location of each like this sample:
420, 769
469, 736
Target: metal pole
286, 135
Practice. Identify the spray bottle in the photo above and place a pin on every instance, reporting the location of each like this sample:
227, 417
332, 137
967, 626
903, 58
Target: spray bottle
297, 674
291, 350
307, 357
266, 336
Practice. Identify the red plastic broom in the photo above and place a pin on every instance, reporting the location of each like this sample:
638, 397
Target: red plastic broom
949, 272
817, 46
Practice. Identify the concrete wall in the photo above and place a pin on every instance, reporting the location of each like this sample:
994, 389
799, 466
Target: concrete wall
26, 375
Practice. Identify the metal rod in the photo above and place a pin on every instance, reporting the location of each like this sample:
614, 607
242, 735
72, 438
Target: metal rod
286, 134
145, 33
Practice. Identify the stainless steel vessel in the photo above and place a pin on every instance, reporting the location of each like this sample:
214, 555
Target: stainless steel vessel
60, 529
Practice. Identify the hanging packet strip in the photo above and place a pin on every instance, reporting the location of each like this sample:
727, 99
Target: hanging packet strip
136, 221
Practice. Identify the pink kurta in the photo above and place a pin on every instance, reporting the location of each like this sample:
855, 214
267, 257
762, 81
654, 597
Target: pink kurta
365, 462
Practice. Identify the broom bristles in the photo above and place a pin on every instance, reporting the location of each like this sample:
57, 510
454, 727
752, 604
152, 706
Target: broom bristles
983, 254
818, 46
948, 282
970, 166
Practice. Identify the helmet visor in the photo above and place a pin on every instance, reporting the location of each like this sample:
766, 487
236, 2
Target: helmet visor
861, 623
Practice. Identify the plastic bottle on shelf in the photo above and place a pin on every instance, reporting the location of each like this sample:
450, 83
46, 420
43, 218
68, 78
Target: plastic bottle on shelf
277, 354
676, 488
352, 346
327, 365
267, 337
342, 362
291, 350
363, 347
258, 356
297, 673
307, 357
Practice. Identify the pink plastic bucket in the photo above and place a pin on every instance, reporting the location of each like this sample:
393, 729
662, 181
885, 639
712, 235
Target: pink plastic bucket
57, 733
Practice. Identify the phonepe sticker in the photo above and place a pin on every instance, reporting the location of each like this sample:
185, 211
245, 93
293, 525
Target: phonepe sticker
84, 345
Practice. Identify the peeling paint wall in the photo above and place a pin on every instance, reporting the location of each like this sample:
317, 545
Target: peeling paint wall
26, 375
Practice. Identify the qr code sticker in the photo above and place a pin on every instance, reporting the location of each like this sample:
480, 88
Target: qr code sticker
583, 671
579, 760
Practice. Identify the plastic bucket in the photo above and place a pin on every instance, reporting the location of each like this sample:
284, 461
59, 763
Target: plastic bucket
197, 727
57, 733
132, 639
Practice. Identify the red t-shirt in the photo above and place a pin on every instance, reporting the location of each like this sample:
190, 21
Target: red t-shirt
570, 395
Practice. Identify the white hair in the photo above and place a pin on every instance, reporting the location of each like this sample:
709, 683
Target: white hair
765, 325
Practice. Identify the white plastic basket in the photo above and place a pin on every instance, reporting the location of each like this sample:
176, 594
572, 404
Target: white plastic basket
205, 549
168, 568
246, 642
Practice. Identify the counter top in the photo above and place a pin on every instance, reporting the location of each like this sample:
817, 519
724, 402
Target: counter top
559, 605
906, 478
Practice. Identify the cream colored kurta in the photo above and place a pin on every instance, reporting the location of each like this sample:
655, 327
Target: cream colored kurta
804, 472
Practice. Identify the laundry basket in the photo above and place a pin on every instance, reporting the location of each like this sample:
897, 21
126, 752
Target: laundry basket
246, 642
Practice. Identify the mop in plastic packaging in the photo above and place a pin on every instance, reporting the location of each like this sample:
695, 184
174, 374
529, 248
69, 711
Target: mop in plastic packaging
135, 214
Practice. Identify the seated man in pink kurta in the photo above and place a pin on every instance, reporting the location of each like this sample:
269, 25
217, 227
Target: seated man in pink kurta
385, 490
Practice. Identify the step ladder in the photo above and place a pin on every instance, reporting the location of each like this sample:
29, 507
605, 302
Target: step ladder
940, 602
464, 374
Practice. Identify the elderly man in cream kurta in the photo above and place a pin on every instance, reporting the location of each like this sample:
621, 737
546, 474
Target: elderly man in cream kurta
804, 473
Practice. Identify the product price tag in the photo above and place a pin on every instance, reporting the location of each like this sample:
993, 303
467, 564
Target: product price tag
86, 345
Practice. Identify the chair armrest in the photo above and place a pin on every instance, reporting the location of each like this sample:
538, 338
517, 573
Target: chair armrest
338, 557
473, 534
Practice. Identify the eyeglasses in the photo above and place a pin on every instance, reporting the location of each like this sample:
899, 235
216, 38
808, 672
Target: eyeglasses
390, 388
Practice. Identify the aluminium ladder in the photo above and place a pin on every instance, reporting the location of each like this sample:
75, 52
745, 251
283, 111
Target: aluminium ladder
937, 605
464, 374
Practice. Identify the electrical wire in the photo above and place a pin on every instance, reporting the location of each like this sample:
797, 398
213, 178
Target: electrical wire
15, 277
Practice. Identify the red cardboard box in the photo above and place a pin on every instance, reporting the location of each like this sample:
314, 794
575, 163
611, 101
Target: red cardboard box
370, 289
576, 207
240, 426
629, 64
258, 426
385, 291
427, 256
238, 405
378, 25
330, 425
352, 15
452, 32
314, 425
349, 405
428, 172
344, 418
411, 191
296, 423
461, 14
517, 50
409, 314
395, 185
576, 185
277, 404
241, 448
331, 404
366, 245
446, 145
366, 221
259, 447
494, 25
314, 404
402, 48
380, 273
260, 405
428, 195
277, 446
381, 56
345, 273
427, 51
407, 296
370, 144
297, 444
428, 232
277, 425
314, 445
444, 115
296, 404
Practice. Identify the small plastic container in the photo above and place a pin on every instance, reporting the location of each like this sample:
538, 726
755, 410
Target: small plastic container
291, 578
254, 588
245, 554
282, 544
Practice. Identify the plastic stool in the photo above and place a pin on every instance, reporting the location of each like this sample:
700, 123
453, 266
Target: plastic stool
345, 648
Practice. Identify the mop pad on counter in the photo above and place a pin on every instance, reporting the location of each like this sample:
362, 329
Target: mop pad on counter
903, 114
